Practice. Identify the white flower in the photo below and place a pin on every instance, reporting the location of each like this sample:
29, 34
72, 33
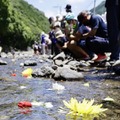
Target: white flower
57, 86
35, 103
23, 87
48, 105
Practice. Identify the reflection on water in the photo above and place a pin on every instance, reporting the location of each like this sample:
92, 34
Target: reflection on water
14, 89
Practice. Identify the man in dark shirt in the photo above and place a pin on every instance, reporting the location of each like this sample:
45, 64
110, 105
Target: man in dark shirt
97, 38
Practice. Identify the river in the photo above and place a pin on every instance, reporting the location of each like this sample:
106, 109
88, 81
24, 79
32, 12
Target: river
14, 89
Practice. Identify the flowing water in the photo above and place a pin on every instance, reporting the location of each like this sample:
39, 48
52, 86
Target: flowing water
14, 89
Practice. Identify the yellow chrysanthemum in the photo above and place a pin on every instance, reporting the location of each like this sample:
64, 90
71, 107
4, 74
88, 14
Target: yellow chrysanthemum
27, 72
72, 105
84, 109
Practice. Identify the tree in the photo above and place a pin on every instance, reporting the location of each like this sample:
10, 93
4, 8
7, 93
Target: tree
20, 23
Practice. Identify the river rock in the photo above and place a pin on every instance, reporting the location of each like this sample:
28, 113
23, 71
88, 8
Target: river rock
3, 55
60, 56
58, 62
3, 62
65, 73
74, 63
30, 63
54, 67
44, 71
116, 67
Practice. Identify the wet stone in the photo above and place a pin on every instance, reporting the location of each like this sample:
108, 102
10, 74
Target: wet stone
3, 62
30, 63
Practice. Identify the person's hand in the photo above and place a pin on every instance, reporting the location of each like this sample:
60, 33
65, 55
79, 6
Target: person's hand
65, 45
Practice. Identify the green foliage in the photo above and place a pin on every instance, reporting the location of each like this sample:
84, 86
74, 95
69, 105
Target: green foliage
20, 23
100, 9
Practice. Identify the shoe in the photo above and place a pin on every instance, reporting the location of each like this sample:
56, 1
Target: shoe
100, 58
94, 57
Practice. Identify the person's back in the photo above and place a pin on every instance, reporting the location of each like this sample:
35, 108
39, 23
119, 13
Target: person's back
95, 22
43, 43
42, 38
69, 27
101, 26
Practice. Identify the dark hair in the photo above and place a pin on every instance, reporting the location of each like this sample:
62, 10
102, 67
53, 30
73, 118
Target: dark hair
81, 16
50, 20
68, 6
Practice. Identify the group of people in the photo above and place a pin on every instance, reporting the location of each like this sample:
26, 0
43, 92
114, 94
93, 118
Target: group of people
88, 34
43, 45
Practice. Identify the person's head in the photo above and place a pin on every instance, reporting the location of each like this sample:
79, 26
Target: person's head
42, 33
63, 17
51, 20
68, 8
35, 42
84, 17
69, 18
58, 17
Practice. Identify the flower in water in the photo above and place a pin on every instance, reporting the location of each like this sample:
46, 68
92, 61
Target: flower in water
23, 87
44, 104
35, 103
48, 105
27, 73
85, 109
109, 99
86, 84
56, 86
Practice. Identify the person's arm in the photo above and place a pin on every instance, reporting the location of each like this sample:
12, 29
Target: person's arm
89, 34
76, 36
94, 25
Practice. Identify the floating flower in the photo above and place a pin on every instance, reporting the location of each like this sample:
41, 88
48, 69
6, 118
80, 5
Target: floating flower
48, 105
23, 87
13, 74
86, 84
109, 99
85, 109
35, 103
27, 73
56, 86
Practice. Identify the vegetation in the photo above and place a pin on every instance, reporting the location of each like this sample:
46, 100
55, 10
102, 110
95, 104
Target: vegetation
100, 9
20, 23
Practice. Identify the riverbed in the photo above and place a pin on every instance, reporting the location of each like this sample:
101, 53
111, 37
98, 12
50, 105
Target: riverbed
98, 84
